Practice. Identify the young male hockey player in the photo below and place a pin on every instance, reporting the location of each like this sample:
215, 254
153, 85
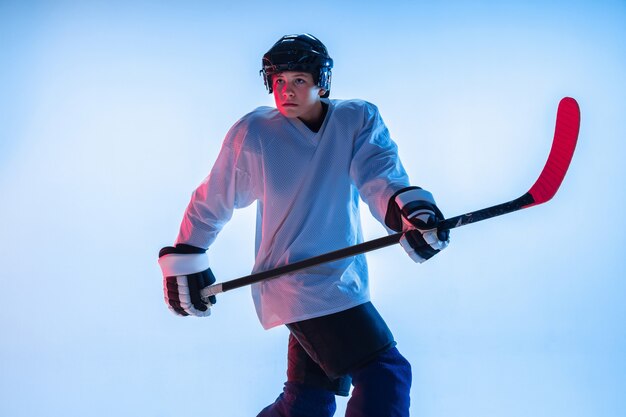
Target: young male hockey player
305, 163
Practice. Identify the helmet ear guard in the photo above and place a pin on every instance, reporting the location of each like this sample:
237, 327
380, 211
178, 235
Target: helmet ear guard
298, 53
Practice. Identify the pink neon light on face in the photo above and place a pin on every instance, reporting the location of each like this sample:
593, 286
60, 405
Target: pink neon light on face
297, 95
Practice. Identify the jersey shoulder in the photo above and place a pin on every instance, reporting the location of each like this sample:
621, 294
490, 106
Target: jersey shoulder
353, 106
354, 111
250, 127
258, 117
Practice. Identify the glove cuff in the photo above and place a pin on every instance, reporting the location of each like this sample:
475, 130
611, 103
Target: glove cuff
411, 195
175, 264
399, 206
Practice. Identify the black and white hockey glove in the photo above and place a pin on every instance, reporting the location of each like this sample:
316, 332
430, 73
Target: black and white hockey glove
185, 273
413, 210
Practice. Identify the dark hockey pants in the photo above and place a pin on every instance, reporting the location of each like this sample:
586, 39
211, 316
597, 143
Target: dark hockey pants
328, 353
381, 389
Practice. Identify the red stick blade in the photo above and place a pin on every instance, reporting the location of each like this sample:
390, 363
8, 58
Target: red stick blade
563, 146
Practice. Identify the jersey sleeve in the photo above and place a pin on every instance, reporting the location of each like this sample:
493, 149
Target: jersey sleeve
376, 168
228, 186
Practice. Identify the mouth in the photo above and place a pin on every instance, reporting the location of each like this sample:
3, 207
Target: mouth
290, 105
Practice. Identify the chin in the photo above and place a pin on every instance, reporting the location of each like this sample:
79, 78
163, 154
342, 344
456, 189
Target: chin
289, 112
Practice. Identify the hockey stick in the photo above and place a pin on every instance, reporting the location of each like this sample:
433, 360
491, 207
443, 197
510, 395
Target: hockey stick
546, 186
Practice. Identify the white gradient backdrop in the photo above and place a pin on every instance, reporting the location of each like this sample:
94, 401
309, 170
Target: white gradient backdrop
112, 112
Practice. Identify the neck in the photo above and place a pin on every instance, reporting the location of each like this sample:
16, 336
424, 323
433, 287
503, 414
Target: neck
315, 119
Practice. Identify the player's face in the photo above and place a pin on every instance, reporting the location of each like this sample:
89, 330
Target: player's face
297, 95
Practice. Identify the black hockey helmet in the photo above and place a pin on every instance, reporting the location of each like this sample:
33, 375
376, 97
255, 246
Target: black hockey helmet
298, 53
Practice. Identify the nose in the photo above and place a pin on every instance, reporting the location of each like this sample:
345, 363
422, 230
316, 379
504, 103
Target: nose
286, 90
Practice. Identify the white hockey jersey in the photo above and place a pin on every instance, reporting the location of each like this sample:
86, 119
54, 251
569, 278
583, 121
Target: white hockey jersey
307, 188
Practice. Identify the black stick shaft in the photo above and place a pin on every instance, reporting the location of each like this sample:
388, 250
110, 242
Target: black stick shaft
316, 260
451, 223
487, 213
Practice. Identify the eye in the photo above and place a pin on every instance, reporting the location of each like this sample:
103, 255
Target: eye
300, 81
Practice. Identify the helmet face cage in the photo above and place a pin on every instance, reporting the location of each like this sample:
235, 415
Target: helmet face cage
298, 53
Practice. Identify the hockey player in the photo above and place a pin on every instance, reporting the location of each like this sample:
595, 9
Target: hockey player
305, 163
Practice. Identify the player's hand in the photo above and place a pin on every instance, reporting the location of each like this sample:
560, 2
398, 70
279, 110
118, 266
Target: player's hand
420, 217
185, 273
421, 245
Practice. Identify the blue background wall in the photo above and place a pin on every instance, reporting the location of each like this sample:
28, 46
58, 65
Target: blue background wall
112, 112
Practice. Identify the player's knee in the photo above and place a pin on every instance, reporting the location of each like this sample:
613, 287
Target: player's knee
402, 368
390, 367
298, 400
389, 377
